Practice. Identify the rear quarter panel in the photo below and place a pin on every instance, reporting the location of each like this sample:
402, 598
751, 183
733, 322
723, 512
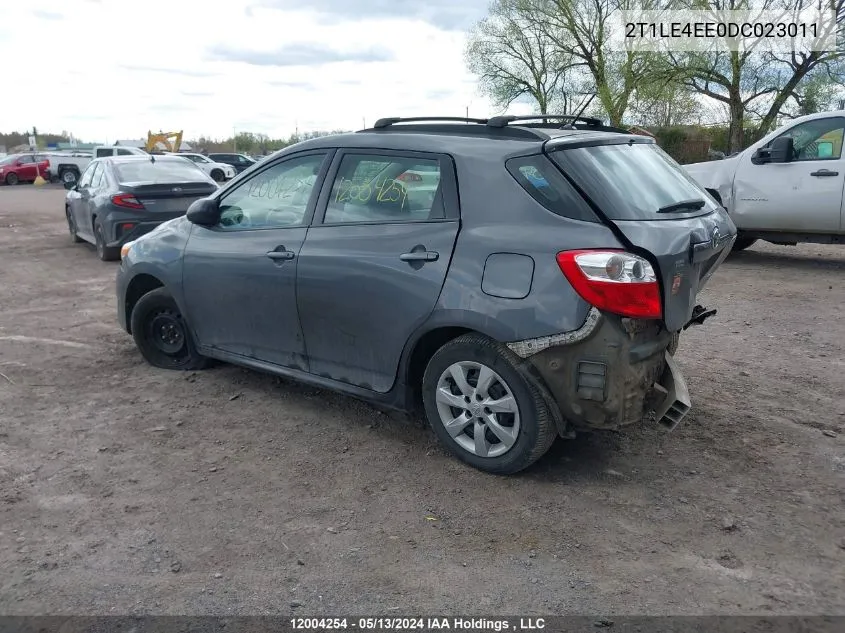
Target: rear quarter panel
498, 216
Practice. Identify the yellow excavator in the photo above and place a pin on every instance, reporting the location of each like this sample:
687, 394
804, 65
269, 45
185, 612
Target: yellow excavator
170, 140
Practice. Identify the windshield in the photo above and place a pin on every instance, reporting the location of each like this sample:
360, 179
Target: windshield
161, 171
632, 181
8, 160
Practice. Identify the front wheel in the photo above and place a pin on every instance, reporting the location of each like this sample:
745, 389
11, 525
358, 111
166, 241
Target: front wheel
69, 177
218, 176
12, 179
486, 409
161, 333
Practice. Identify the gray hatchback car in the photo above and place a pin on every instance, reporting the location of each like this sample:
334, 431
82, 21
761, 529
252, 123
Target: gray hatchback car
513, 278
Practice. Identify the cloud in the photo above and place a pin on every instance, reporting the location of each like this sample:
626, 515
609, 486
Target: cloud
436, 95
169, 71
188, 93
296, 85
47, 15
450, 15
304, 54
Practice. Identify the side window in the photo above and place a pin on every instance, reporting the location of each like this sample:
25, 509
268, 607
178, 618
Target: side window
105, 151
544, 182
124, 152
97, 176
85, 179
27, 160
275, 198
371, 188
820, 139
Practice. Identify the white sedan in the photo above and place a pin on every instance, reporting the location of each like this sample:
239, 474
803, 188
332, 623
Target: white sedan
218, 171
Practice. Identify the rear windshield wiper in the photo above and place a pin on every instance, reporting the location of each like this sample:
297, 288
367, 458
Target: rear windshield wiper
684, 205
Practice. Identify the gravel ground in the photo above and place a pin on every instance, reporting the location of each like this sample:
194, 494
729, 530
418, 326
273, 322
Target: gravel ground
126, 489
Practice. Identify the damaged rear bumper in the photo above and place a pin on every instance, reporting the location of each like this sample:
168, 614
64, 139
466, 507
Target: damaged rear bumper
609, 373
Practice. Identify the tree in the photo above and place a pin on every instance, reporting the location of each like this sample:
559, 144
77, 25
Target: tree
580, 29
664, 104
513, 57
749, 80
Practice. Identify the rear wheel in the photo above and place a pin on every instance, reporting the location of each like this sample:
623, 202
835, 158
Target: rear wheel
104, 252
742, 242
217, 175
71, 225
12, 179
484, 407
161, 333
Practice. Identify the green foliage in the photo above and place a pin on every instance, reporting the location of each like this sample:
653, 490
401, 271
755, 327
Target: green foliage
14, 139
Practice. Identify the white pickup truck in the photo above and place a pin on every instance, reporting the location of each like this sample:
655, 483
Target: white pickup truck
68, 166
786, 188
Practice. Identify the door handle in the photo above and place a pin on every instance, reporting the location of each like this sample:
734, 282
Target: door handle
824, 172
281, 255
420, 256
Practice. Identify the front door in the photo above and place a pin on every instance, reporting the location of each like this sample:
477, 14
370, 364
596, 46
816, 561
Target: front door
240, 276
802, 196
371, 271
26, 170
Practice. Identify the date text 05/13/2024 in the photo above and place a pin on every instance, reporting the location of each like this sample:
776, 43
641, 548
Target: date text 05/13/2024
467, 625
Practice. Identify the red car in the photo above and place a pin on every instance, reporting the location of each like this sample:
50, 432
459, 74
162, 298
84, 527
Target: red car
22, 168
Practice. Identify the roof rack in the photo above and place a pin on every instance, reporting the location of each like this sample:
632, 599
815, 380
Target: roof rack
498, 126
388, 121
502, 121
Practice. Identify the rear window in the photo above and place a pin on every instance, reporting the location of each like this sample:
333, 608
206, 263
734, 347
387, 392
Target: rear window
159, 171
544, 182
630, 181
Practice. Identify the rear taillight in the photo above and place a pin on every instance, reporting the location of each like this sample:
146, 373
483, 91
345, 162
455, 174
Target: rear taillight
126, 200
614, 281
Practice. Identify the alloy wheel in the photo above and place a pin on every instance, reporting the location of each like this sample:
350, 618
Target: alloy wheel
478, 409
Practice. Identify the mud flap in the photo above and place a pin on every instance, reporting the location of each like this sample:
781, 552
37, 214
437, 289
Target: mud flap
676, 401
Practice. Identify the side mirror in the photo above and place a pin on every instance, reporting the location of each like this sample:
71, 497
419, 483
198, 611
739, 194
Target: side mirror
781, 150
205, 212
70, 185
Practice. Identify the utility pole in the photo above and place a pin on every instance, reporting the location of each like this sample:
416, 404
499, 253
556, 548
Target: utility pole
234, 140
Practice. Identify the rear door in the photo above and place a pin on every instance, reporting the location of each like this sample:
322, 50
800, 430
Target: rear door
657, 209
374, 262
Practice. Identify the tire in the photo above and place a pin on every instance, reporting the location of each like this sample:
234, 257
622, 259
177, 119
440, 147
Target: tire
105, 253
69, 176
673, 344
162, 335
12, 179
71, 225
532, 423
217, 175
742, 242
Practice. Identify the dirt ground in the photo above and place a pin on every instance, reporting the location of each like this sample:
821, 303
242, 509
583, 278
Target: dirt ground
126, 489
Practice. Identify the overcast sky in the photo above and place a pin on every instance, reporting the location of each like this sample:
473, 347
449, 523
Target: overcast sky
108, 69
